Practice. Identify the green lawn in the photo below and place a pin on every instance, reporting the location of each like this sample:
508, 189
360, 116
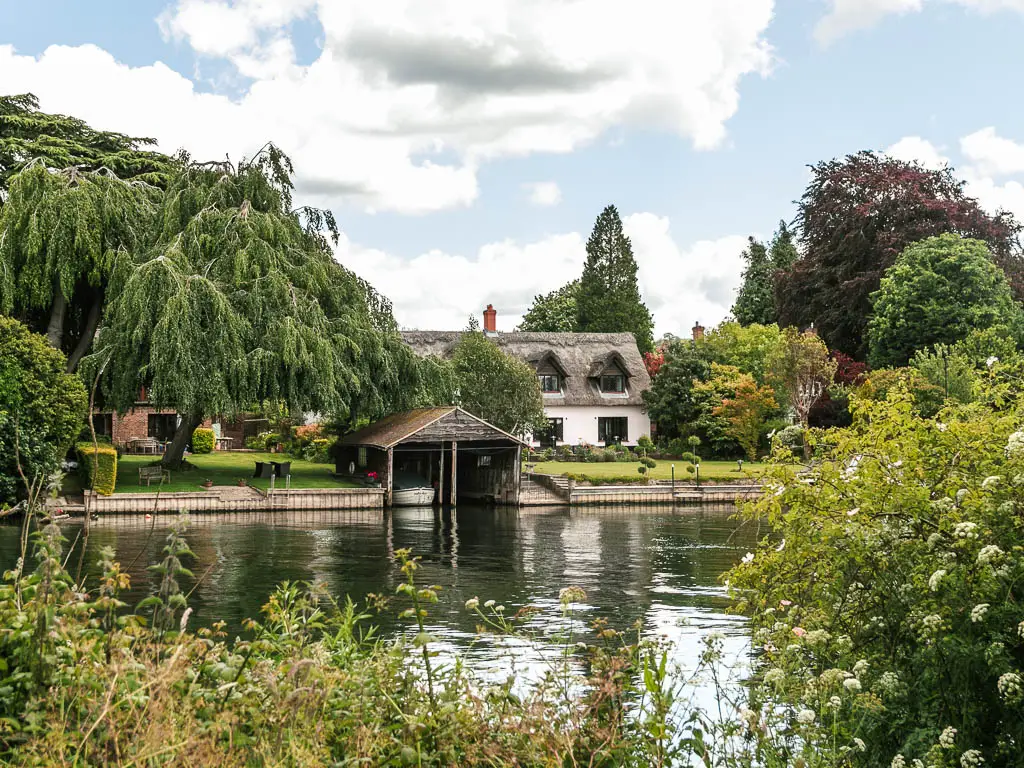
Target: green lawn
600, 471
225, 468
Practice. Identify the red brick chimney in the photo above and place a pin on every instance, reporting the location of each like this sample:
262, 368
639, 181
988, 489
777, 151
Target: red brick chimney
490, 319
698, 331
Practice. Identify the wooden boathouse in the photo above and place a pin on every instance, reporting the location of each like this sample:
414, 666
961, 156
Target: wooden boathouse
460, 455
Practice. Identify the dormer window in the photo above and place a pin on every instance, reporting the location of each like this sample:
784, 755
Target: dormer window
613, 383
550, 383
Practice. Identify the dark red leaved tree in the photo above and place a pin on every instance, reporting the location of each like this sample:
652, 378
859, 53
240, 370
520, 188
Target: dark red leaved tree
856, 216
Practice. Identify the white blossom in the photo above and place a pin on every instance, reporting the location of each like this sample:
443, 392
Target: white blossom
966, 530
860, 667
852, 685
936, 579
1015, 444
991, 360
898, 762
947, 739
472, 604
805, 716
941, 427
1020, 630
990, 482
988, 554
971, 758
859, 744
748, 558
978, 612
1009, 686
853, 512
489, 604
774, 676
835, 702
961, 495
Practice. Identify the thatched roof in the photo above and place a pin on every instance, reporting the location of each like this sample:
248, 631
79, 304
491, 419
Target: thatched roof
583, 357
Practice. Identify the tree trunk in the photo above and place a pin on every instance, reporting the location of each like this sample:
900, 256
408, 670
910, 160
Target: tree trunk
92, 320
55, 330
182, 435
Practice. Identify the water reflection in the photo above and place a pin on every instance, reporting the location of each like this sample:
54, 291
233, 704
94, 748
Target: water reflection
655, 566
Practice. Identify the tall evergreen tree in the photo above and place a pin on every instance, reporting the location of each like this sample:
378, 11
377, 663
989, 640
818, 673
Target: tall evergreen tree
755, 300
609, 296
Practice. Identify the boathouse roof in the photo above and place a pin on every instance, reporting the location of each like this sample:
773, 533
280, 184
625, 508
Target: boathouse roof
426, 425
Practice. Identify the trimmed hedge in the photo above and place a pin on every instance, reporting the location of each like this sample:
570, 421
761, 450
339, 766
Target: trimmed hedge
106, 466
202, 440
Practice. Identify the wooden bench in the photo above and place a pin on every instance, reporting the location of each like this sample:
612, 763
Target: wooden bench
153, 473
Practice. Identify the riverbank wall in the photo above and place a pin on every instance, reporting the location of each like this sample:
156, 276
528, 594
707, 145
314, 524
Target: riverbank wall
230, 500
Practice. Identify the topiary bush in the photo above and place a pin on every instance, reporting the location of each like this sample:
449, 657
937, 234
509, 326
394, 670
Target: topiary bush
203, 440
105, 463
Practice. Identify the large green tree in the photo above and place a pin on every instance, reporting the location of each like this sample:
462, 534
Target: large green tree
755, 299
937, 292
856, 216
609, 295
554, 312
239, 300
672, 402
41, 409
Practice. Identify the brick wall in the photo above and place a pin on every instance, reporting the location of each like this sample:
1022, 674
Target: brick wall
134, 424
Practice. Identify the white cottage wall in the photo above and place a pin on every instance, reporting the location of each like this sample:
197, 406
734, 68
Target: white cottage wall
579, 422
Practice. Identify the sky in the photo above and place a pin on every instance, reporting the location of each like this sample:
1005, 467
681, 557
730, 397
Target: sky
467, 146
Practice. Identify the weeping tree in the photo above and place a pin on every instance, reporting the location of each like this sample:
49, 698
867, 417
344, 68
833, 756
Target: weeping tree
65, 237
239, 300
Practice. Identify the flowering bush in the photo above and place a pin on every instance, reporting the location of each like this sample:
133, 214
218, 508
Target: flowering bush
889, 605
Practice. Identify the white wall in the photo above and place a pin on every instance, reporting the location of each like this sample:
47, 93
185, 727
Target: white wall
580, 422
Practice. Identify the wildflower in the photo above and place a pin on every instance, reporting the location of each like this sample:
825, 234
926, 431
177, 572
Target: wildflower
785, 603
1015, 444
936, 579
945, 504
971, 758
932, 622
818, 637
774, 676
988, 554
991, 360
1020, 630
571, 595
835, 702
799, 631
805, 716
978, 612
965, 530
947, 739
917, 763
748, 558
1009, 686
898, 762
473, 603
933, 540
489, 604
990, 482
961, 495
941, 427
852, 684
859, 744
860, 667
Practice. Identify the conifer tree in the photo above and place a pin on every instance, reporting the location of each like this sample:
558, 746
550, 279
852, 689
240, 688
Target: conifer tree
609, 296
755, 299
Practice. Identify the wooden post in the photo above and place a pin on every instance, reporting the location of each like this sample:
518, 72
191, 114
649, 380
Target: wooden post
390, 485
455, 468
440, 478
517, 476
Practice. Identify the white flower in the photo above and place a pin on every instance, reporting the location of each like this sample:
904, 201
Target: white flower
852, 685
940, 426
936, 579
947, 739
945, 504
781, 546
1020, 630
966, 530
853, 512
805, 716
934, 540
774, 676
978, 612
961, 495
1015, 444
971, 758
898, 762
489, 604
990, 482
992, 360
988, 554
860, 667
835, 702
472, 604
917, 764
932, 622
859, 744
1009, 686
748, 558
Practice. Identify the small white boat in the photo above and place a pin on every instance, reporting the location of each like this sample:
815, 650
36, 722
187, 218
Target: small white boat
410, 490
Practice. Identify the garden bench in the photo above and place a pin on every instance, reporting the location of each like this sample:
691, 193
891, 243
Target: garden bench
153, 473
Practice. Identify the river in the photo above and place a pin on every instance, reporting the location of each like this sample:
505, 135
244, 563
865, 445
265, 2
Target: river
656, 566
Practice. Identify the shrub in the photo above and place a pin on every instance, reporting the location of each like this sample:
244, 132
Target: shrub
645, 443
648, 462
642, 469
105, 479
203, 440
791, 438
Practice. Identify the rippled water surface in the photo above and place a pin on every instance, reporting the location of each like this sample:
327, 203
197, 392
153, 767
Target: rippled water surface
656, 566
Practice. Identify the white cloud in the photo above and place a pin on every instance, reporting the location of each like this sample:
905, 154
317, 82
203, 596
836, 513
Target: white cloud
915, 149
847, 16
543, 193
407, 99
440, 291
991, 154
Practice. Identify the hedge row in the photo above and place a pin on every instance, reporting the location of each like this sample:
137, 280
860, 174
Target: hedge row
106, 467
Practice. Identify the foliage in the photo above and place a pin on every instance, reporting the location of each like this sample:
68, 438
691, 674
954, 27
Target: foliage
849, 372
609, 300
240, 300
435, 382
671, 401
926, 397
750, 348
745, 412
887, 602
856, 216
553, 312
711, 424
790, 438
945, 367
203, 440
938, 291
41, 409
59, 141
497, 387
97, 464
653, 362
755, 299
801, 367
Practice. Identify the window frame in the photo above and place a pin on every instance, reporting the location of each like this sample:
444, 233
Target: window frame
620, 377
603, 430
541, 377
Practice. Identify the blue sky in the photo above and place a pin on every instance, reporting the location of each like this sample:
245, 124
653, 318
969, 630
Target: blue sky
424, 125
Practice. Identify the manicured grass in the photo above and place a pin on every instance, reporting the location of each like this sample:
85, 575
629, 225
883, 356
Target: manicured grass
224, 468
598, 471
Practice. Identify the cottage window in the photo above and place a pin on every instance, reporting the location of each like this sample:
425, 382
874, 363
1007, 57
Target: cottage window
550, 383
613, 383
554, 433
612, 430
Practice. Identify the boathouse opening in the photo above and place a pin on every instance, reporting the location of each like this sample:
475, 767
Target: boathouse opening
434, 456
